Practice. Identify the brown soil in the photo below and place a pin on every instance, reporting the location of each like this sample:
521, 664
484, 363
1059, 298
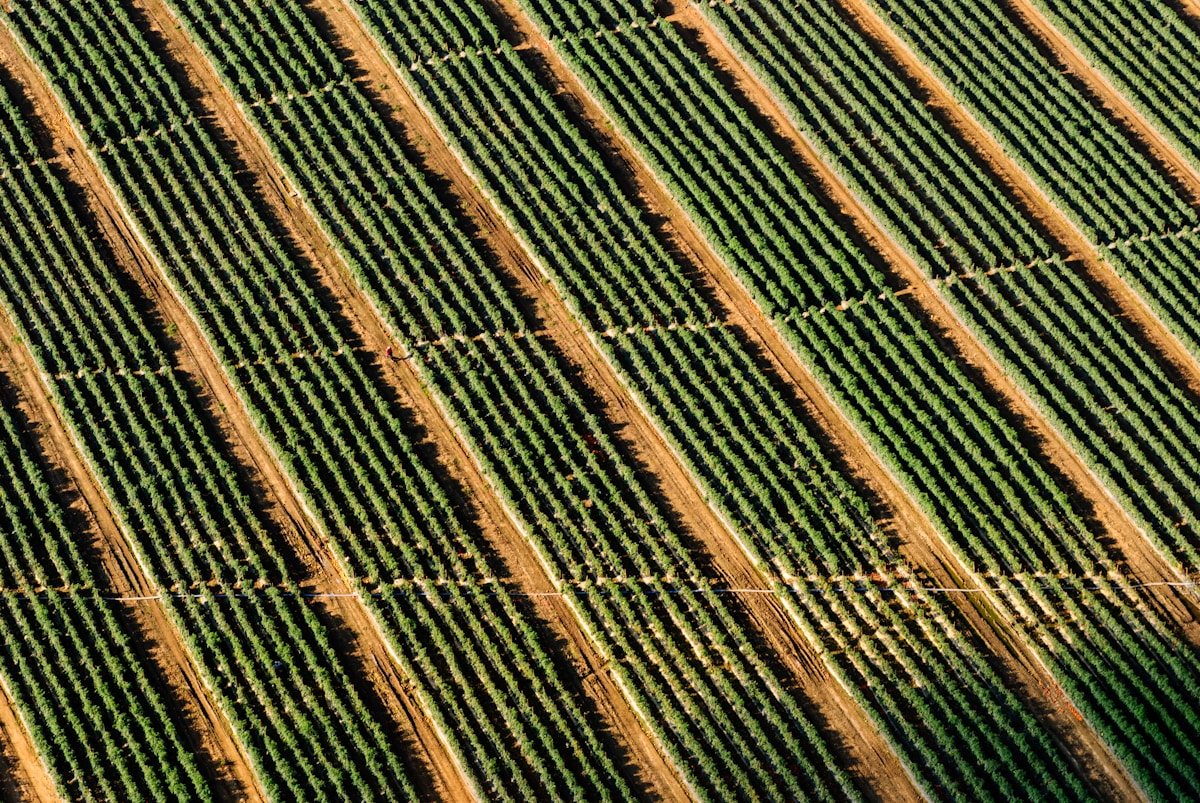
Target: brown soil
23, 777
241, 441
521, 563
1113, 101
922, 545
1143, 561
868, 754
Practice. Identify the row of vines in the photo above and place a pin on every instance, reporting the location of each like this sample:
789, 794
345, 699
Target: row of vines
957, 453
188, 514
102, 727
716, 703
758, 460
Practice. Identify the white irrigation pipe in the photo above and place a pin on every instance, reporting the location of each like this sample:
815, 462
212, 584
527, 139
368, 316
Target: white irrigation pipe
783, 590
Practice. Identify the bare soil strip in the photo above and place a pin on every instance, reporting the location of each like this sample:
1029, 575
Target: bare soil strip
921, 544
517, 558
869, 755
223, 409
1143, 560
1113, 101
23, 777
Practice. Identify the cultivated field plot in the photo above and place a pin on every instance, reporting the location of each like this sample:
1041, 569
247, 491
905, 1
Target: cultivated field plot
599, 400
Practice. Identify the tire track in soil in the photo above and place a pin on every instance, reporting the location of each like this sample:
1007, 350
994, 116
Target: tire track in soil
921, 544
1142, 559
519, 562
870, 757
236, 437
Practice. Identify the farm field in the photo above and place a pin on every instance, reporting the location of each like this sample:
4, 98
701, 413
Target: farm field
601, 400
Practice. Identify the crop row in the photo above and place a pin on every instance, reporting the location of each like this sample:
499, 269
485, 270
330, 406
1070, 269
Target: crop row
1094, 172
757, 459
99, 724
339, 438
268, 659
712, 700
935, 427
1047, 327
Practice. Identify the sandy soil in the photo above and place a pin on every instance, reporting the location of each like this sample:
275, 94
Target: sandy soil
302, 544
1191, 7
153, 634
23, 777
240, 438
1163, 345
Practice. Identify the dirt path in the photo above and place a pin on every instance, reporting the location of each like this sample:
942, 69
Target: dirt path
1113, 101
1144, 562
871, 757
1142, 559
869, 754
922, 545
222, 408
521, 564
23, 777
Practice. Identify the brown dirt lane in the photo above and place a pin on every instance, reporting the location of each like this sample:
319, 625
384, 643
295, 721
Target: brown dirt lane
1144, 562
870, 757
520, 563
1191, 7
1184, 364
223, 411
23, 777
921, 544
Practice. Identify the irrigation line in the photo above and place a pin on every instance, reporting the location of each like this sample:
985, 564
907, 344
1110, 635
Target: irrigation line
648, 592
